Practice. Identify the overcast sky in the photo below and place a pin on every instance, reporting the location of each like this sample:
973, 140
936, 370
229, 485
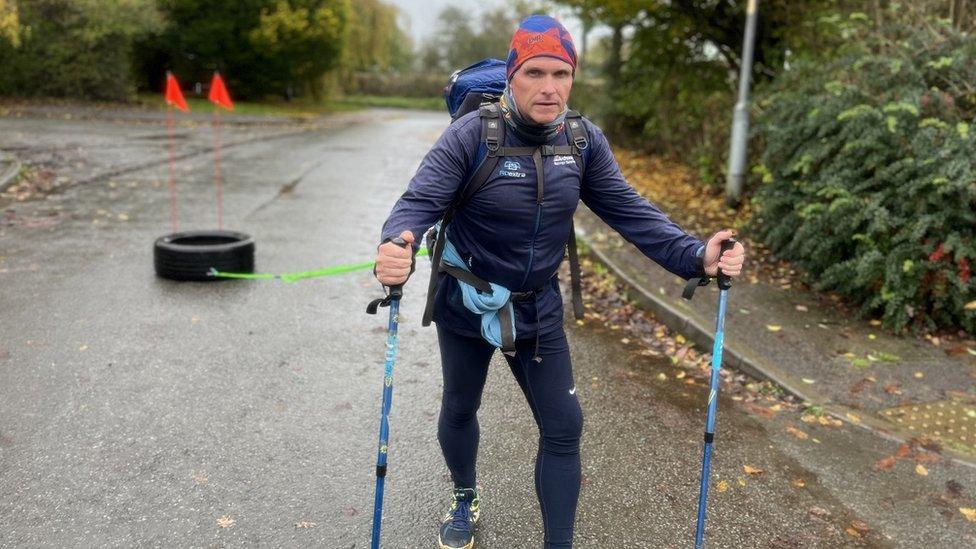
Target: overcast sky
423, 15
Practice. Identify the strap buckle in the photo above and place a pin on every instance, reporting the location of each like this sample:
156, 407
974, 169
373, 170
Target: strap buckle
581, 143
547, 150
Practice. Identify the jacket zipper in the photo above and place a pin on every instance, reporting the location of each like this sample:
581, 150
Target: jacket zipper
540, 178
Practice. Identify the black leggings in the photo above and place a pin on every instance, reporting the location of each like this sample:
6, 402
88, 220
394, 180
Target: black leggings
551, 393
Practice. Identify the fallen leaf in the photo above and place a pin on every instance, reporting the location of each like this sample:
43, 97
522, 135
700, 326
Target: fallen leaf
200, 478
722, 486
798, 483
760, 411
969, 513
923, 457
808, 418
852, 417
860, 526
680, 375
820, 513
802, 308
741, 482
875, 322
225, 522
773, 327
304, 524
853, 533
971, 306
808, 381
919, 375
872, 337
662, 377
752, 470
884, 464
892, 389
921, 470
83, 348
903, 451
797, 433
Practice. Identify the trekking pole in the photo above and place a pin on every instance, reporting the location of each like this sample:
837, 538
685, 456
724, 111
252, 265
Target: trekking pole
724, 283
392, 300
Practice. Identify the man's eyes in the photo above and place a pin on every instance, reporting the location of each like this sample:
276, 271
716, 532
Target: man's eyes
537, 74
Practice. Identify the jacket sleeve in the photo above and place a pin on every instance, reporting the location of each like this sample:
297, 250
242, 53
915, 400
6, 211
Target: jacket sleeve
435, 184
605, 191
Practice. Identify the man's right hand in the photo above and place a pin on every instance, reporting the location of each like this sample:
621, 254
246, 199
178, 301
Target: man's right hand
393, 263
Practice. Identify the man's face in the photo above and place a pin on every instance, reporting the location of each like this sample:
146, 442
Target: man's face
541, 88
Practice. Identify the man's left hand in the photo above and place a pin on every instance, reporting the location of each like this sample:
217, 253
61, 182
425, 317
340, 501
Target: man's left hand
730, 262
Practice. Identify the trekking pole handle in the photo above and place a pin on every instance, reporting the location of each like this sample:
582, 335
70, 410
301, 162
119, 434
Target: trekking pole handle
725, 282
396, 292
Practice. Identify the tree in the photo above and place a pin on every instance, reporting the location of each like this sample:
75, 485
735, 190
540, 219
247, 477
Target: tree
301, 40
459, 43
262, 47
9, 22
376, 41
76, 48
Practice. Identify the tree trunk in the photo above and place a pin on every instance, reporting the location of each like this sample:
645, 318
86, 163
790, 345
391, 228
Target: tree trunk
615, 57
587, 27
613, 84
878, 19
959, 21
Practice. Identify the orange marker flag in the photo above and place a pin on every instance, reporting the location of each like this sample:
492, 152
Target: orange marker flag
173, 94
218, 93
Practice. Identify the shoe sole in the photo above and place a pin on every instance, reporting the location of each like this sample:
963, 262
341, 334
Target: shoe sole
441, 545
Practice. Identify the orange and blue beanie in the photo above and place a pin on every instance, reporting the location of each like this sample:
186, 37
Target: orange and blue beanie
540, 36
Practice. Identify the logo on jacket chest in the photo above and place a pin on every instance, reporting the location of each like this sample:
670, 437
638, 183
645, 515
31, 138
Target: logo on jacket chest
511, 169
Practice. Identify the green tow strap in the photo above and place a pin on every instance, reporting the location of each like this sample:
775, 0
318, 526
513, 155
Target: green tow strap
294, 277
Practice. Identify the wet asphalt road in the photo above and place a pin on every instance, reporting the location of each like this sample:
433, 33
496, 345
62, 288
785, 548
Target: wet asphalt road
138, 412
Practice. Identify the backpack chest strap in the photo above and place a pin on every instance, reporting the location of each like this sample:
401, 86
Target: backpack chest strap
544, 150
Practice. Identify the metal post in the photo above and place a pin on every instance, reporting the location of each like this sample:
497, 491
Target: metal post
740, 120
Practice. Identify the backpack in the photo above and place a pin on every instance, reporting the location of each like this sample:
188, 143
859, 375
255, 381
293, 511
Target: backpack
480, 86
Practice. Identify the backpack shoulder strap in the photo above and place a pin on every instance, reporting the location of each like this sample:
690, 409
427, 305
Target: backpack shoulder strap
492, 137
579, 141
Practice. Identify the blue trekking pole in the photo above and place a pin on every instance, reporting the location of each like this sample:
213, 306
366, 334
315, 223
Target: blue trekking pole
392, 300
724, 283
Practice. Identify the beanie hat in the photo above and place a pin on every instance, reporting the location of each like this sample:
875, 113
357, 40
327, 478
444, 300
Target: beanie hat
540, 36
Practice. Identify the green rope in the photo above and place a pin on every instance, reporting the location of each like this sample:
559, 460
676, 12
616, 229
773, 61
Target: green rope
294, 277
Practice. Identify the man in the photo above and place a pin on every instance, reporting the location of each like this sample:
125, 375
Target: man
512, 233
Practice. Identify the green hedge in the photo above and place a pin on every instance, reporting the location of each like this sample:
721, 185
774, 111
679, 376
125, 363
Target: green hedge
75, 48
868, 175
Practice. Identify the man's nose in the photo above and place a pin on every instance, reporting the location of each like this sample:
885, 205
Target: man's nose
549, 86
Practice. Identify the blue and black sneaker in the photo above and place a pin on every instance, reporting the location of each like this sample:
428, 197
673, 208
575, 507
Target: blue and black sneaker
457, 530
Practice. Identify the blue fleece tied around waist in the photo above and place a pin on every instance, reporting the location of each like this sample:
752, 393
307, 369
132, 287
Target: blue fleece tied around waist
487, 306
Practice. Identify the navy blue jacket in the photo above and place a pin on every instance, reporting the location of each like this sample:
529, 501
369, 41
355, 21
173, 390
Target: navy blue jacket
507, 238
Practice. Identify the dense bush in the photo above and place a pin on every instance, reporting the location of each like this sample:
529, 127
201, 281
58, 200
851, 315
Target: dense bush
397, 84
869, 175
75, 48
